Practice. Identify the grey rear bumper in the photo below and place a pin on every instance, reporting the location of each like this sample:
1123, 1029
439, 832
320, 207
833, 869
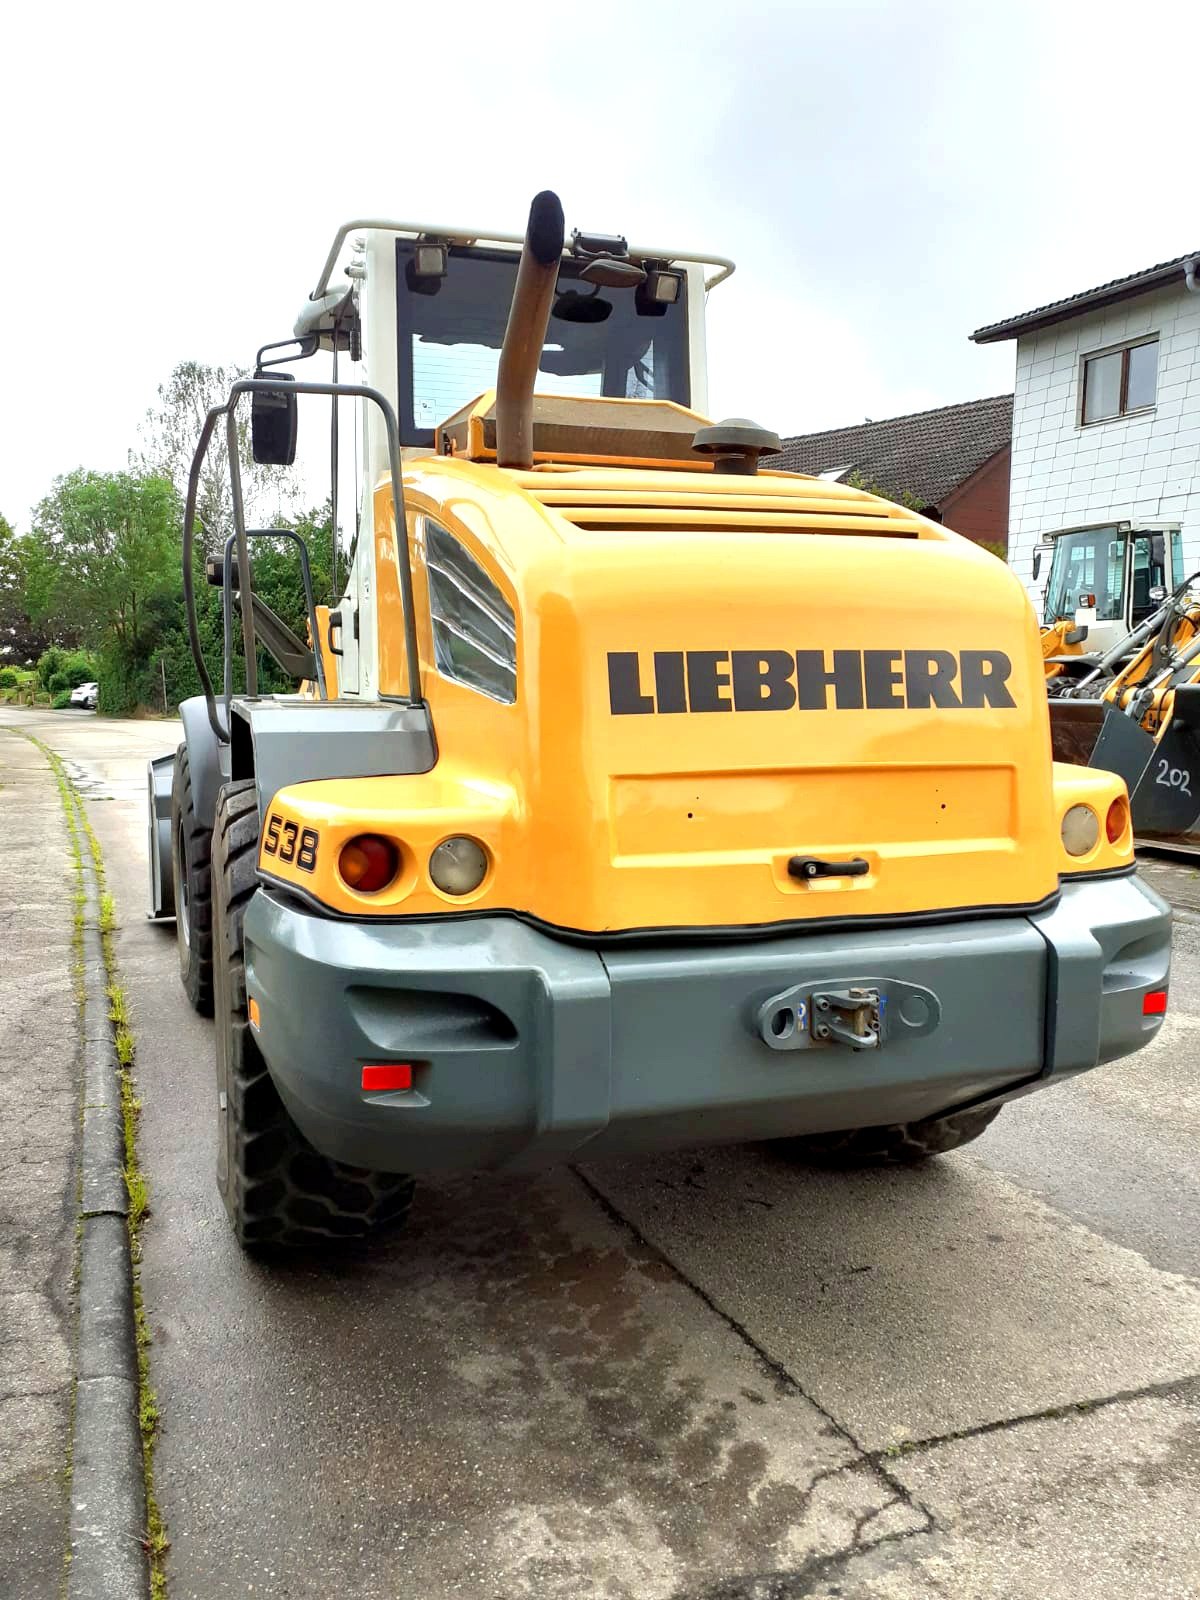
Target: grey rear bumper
526, 1049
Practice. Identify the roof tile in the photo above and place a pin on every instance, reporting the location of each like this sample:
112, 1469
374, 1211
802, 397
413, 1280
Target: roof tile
1103, 294
926, 454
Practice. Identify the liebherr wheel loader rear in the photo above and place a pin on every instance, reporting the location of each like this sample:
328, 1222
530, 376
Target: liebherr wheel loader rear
633, 795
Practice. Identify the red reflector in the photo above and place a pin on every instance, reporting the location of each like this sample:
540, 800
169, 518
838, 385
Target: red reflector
392, 1075
1154, 1004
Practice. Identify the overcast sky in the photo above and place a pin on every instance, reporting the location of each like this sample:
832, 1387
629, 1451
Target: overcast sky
888, 177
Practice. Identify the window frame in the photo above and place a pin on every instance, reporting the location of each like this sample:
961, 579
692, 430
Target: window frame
412, 435
1124, 409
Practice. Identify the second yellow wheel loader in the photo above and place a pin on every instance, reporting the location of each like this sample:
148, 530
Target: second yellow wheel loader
632, 795
1135, 710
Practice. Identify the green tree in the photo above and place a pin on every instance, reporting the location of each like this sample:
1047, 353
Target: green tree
170, 432
105, 543
104, 553
275, 565
21, 639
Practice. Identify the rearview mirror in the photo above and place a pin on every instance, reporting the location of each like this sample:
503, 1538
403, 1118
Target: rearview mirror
1037, 562
273, 419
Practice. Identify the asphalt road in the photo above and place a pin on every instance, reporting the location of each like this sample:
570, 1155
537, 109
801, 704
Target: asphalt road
717, 1376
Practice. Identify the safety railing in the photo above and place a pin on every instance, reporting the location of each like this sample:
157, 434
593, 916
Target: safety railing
227, 570
239, 542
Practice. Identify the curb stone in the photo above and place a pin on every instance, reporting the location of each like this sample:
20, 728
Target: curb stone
108, 1489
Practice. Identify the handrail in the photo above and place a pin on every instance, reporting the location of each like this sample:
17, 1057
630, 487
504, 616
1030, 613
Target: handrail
189, 587
228, 411
242, 544
459, 235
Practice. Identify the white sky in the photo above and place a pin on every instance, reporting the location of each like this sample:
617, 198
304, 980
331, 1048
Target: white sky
888, 177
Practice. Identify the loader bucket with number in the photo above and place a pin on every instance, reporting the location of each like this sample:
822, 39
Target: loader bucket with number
1161, 771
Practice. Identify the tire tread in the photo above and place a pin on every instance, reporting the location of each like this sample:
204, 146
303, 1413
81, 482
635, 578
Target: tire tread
278, 1190
897, 1144
196, 956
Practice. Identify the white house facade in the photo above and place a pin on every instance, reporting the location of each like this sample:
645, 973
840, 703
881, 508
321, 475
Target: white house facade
1106, 427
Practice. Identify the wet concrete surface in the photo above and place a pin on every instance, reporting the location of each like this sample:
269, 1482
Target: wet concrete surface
713, 1375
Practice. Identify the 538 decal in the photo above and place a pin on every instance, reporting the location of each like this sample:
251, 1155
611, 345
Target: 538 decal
290, 843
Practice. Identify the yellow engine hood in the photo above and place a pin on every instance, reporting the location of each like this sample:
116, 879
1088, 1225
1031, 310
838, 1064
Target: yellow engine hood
718, 675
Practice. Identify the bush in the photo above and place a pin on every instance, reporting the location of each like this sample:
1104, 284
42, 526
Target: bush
80, 666
60, 700
49, 662
9, 677
58, 682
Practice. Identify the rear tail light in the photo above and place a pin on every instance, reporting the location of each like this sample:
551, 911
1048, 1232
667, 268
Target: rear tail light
1154, 1004
368, 863
1117, 819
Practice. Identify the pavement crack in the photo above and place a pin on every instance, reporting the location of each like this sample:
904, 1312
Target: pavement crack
1186, 1388
785, 1380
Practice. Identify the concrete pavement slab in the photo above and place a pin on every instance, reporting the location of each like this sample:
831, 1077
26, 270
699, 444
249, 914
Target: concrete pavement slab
38, 1133
1104, 1503
912, 1302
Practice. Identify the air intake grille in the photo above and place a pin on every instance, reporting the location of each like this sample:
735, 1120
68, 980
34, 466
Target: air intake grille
607, 501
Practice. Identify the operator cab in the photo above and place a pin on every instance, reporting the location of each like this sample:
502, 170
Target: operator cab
611, 342
422, 311
429, 308
1109, 579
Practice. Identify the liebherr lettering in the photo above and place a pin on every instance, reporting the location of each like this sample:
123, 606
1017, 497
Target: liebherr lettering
665, 681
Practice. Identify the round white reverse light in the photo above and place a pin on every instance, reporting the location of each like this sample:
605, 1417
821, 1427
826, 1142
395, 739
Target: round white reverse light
458, 865
1080, 830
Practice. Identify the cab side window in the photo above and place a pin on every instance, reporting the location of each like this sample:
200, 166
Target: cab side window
1149, 575
474, 629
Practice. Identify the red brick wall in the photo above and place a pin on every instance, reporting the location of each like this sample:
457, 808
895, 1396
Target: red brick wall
978, 508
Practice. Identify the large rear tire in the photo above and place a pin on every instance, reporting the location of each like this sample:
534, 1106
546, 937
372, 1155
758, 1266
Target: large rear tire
191, 865
278, 1190
900, 1144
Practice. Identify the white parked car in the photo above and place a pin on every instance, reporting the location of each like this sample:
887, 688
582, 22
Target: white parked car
87, 695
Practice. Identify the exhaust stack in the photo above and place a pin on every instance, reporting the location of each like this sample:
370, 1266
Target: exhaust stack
528, 319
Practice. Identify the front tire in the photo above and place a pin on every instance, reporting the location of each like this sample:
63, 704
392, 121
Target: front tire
191, 866
898, 1144
278, 1190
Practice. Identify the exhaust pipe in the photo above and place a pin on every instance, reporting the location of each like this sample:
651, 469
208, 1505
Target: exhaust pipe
528, 319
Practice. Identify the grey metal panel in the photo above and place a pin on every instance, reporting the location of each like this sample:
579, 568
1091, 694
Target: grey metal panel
525, 1047
488, 1011
159, 775
208, 761
689, 1064
1107, 936
299, 740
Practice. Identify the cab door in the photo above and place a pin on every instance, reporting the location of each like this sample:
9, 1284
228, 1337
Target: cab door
1149, 578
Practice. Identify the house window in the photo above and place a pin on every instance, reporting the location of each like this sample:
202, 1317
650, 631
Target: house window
1120, 381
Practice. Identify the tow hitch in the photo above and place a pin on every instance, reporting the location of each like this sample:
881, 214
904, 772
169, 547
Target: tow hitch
862, 1015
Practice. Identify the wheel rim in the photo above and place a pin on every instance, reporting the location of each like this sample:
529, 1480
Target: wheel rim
181, 889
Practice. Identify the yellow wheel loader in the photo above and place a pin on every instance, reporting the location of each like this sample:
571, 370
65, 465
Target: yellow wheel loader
633, 795
1102, 584
1135, 711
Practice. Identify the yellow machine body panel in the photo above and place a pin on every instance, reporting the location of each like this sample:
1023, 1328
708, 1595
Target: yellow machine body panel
714, 674
1054, 643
